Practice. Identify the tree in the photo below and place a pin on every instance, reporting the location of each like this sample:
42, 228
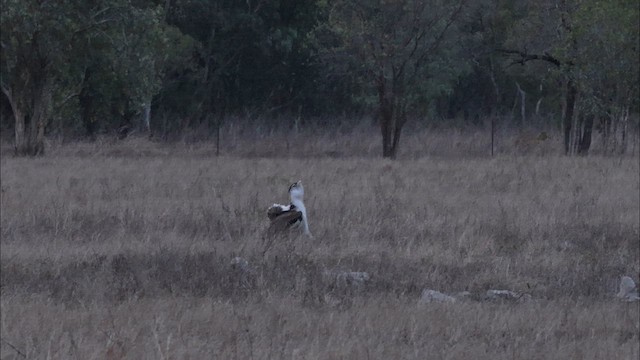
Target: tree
405, 54
55, 51
34, 44
592, 46
123, 67
608, 68
537, 34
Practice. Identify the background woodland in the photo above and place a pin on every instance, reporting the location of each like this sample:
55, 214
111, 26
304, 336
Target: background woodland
75, 69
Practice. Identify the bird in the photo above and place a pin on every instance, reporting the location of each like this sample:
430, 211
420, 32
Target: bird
288, 216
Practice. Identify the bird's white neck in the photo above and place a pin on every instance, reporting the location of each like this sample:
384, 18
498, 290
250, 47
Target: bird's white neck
300, 206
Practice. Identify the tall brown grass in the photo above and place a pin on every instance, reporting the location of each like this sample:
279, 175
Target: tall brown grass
125, 251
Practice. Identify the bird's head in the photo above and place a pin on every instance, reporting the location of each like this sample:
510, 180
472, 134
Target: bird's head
296, 190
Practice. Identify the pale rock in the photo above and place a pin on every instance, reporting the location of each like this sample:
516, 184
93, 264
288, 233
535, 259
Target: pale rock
463, 295
240, 263
429, 296
628, 290
355, 279
506, 295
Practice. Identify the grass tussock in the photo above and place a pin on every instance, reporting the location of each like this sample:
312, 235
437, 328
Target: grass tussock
106, 254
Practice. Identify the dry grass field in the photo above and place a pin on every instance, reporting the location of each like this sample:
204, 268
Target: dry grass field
124, 251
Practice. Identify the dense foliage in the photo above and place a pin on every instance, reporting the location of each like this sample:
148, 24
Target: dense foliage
81, 68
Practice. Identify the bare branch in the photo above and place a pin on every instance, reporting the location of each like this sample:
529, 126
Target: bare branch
524, 57
450, 21
75, 93
14, 348
67, 98
6, 90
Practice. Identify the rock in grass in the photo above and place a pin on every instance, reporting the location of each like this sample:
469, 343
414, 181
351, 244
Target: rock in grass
507, 295
628, 291
240, 264
429, 296
242, 274
356, 279
464, 295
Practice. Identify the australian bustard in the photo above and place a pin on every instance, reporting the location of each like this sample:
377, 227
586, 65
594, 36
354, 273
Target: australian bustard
285, 216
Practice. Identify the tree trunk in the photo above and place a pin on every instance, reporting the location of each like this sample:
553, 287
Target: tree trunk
30, 116
625, 121
538, 107
614, 135
605, 129
385, 113
87, 109
391, 127
392, 115
400, 119
585, 130
386, 118
220, 113
494, 110
39, 117
568, 114
85, 100
17, 109
539, 102
146, 118
523, 104
21, 141
493, 131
